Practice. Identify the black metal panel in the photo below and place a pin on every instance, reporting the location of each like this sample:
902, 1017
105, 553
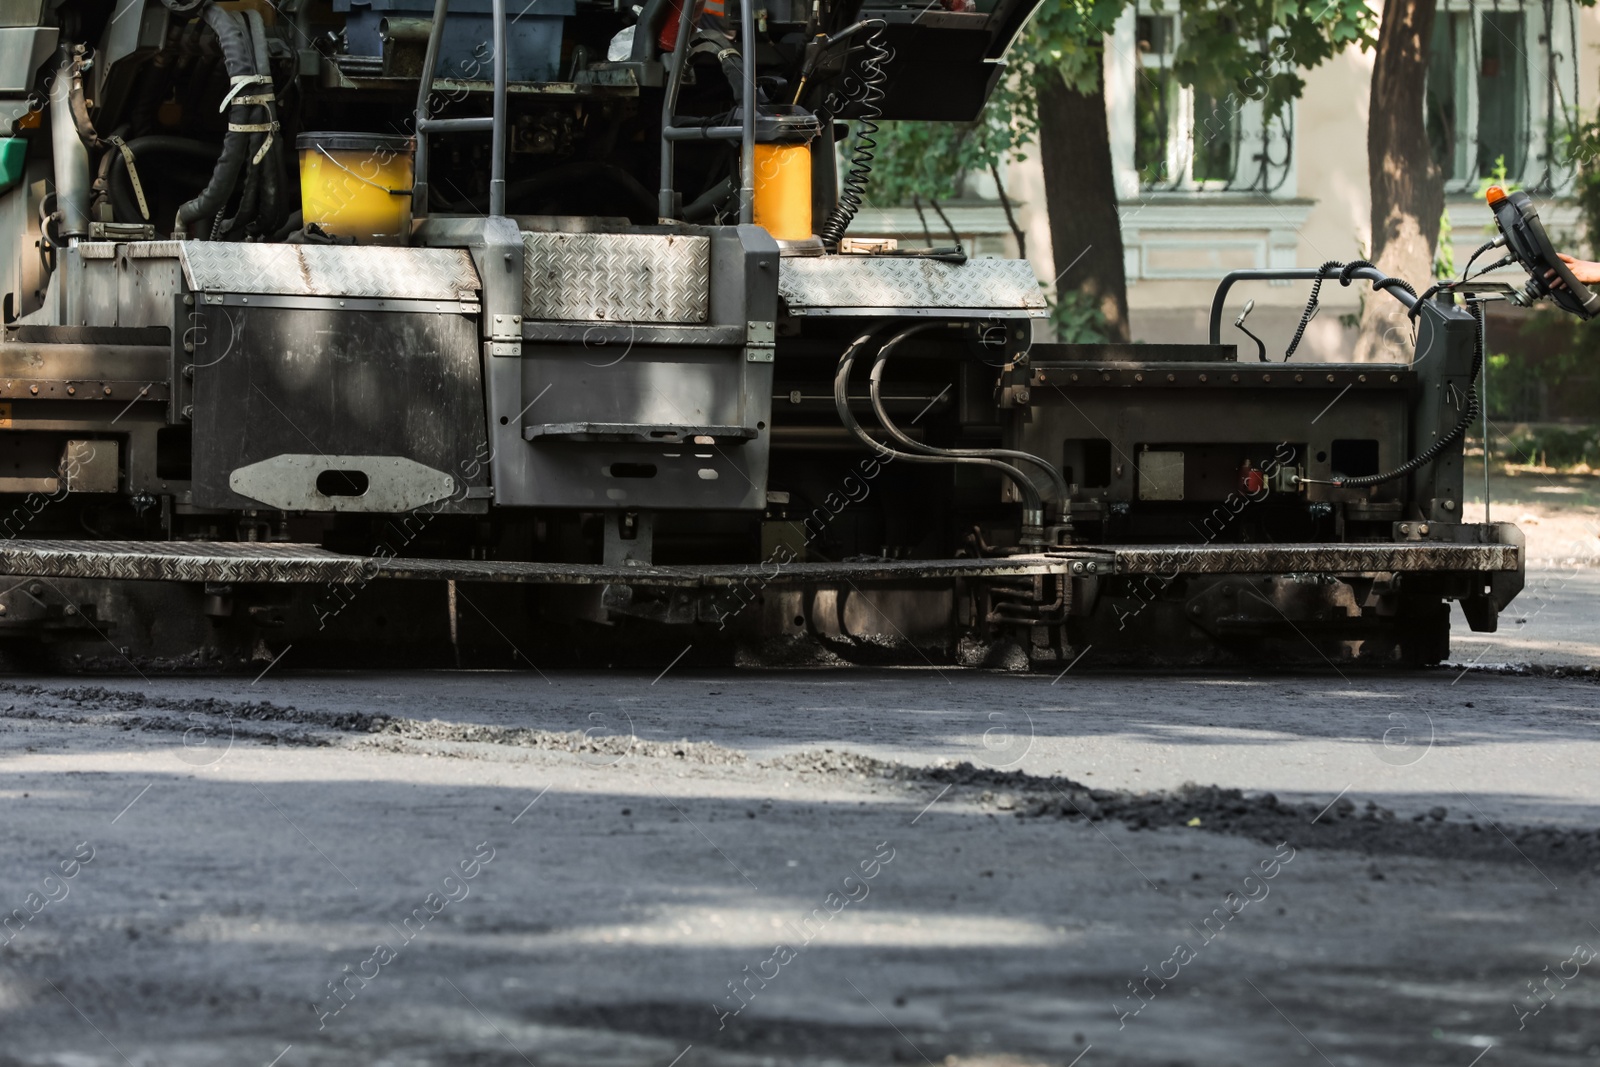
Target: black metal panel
1131, 353
319, 380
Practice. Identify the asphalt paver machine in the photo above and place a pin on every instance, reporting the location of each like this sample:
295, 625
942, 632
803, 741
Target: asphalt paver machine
505, 331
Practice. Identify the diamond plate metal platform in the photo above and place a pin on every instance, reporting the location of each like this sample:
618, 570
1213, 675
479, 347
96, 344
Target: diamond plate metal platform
858, 285
191, 561
353, 271
616, 277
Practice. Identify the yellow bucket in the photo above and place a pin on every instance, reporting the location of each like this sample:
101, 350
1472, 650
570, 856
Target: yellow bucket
357, 184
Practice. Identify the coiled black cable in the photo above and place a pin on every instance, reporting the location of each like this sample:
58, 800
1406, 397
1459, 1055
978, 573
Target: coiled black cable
1429, 454
854, 187
1346, 276
1311, 306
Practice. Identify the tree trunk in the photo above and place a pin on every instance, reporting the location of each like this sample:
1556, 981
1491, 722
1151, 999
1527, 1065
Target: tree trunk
1080, 194
1407, 189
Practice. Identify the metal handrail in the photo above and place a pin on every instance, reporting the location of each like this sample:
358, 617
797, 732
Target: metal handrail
496, 124
745, 133
1304, 274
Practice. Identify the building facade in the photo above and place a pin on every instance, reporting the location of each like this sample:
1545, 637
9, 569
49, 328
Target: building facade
1207, 186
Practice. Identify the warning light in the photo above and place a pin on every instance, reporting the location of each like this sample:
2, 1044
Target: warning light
1494, 194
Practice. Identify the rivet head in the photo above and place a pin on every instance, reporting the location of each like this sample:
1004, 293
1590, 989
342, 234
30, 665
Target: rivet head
72, 390
1105, 377
1138, 377
1074, 377
1394, 377
1202, 377
1361, 377
1266, 377
106, 390
1172, 377
1330, 377
33, 389
1299, 377
1235, 377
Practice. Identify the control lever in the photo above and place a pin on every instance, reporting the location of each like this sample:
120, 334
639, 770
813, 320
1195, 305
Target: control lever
1238, 324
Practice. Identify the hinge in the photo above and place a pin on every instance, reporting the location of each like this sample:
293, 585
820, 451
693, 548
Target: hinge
761, 341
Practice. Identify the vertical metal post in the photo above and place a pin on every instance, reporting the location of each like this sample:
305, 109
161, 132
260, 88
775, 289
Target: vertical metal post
666, 208
419, 183
69, 157
1483, 375
497, 177
747, 167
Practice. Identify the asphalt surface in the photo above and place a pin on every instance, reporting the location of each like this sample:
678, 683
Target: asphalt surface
825, 867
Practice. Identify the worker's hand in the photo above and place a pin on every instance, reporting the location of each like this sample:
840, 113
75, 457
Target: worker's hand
1584, 270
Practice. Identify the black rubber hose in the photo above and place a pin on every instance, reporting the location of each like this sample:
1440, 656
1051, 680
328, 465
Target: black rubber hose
1058, 483
237, 57
270, 213
118, 184
1429, 454
870, 107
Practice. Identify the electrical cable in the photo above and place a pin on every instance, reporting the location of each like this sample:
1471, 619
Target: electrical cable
854, 187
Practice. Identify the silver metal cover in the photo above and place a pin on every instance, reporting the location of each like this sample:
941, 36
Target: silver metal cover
330, 270
839, 282
616, 277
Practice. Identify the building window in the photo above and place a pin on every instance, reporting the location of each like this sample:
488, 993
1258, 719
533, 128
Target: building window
1187, 140
1501, 87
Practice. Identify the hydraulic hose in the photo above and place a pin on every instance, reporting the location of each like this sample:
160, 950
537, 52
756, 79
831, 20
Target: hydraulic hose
271, 165
1429, 454
854, 187
1058, 484
1032, 504
117, 185
238, 58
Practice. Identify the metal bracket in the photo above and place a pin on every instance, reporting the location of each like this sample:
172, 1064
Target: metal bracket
761, 342
505, 328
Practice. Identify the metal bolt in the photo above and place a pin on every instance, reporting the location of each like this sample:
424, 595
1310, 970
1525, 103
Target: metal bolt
1449, 505
1266, 377
1394, 377
1077, 568
1093, 567
34, 389
1299, 377
1074, 377
1330, 377
35, 589
2, 609
1138, 377
1202, 377
106, 390
72, 390
1405, 527
1172, 377
1361, 377
1423, 528
1235, 377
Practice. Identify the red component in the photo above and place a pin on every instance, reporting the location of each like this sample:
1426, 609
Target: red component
669, 27
1252, 482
